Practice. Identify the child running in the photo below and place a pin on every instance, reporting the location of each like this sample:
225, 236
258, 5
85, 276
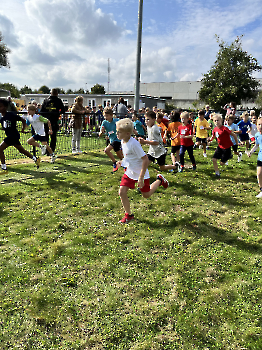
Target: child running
8, 122
244, 126
156, 150
253, 129
233, 127
38, 123
201, 128
109, 126
258, 143
136, 163
185, 131
223, 151
139, 128
172, 130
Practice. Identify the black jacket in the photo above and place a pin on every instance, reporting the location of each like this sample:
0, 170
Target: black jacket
52, 107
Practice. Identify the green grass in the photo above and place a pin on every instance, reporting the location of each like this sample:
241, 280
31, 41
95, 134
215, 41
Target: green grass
186, 274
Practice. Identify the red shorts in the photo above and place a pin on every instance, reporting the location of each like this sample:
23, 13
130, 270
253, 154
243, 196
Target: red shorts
126, 181
252, 139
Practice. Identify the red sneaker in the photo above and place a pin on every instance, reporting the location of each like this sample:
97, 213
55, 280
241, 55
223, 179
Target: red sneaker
127, 218
115, 168
164, 182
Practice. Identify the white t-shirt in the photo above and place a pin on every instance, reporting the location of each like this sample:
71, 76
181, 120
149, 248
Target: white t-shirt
36, 124
133, 153
154, 134
253, 130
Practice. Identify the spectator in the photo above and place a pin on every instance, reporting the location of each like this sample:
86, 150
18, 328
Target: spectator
52, 107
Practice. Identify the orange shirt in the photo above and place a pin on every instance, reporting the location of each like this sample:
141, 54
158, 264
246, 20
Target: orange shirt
163, 129
173, 130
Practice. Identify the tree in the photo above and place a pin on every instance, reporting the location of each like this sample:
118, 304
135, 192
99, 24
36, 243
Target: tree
4, 51
98, 89
230, 78
10, 87
79, 91
44, 90
69, 91
26, 90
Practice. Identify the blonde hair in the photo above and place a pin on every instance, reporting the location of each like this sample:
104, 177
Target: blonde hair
125, 125
244, 114
217, 115
108, 110
32, 107
252, 113
185, 115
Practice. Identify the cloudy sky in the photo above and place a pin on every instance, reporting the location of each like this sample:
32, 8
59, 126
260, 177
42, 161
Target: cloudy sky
67, 43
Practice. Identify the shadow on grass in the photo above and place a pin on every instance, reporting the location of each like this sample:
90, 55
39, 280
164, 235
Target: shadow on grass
201, 228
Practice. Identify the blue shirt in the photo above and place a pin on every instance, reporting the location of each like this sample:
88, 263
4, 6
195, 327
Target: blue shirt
139, 128
110, 128
244, 126
258, 138
233, 127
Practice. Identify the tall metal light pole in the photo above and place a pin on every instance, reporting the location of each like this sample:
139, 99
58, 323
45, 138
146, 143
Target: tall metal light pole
138, 57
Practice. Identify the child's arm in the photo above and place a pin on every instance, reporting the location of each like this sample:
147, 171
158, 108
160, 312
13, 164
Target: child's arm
235, 137
249, 154
174, 137
145, 164
24, 124
102, 131
147, 142
45, 120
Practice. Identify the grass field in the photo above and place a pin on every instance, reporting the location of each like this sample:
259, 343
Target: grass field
186, 274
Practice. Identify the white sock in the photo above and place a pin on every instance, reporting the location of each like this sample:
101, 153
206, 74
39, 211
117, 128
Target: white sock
3, 166
34, 158
217, 173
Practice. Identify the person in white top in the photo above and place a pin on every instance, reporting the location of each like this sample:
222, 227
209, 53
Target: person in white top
37, 121
135, 162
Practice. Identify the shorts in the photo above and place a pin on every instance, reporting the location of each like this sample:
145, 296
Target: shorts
244, 137
160, 160
222, 154
199, 139
39, 138
235, 147
12, 141
259, 163
126, 181
174, 149
116, 145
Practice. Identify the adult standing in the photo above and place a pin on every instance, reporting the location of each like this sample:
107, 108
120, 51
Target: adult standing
76, 123
121, 108
52, 107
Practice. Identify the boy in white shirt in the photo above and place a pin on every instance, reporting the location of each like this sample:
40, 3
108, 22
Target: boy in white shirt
37, 121
136, 163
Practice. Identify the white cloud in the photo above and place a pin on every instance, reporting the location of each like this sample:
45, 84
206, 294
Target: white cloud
8, 30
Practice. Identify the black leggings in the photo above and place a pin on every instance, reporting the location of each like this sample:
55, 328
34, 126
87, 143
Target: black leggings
182, 152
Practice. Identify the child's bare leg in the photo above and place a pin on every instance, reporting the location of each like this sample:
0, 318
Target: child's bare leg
167, 167
32, 142
3, 146
23, 151
214, 160
153, 187
177, 156
124, 198
259, 176
204, 147
107, 151
247, 144
120, 154
173, 157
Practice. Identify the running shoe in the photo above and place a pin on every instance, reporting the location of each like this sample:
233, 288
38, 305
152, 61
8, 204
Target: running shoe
53, 158
115, 168
259, 195
37, 162
164, 181
43, 149
240, 155
127, 218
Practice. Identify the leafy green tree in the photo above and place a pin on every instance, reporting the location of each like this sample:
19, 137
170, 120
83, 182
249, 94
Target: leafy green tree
44, 90
79, 91
230, 78
12, 88
69, 91
26, 90
4, 51
98, 89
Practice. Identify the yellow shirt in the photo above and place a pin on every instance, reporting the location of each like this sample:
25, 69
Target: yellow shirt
200, 125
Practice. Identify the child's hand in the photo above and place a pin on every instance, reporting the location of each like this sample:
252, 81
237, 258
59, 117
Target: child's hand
141, 140
140, 183
118, 164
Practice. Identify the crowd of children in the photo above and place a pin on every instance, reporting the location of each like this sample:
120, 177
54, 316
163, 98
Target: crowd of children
152, 128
